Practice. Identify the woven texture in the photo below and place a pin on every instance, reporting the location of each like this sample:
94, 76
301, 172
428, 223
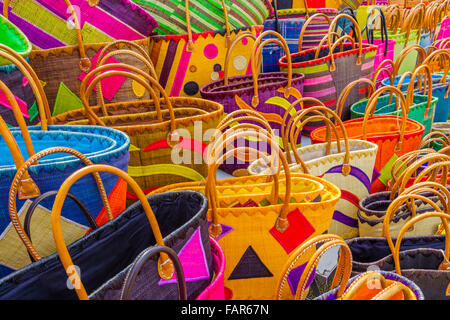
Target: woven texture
183, 73
46, 23
151, 158
106, 252
205, 15
354, 186
100, 145
326, 85
12, 37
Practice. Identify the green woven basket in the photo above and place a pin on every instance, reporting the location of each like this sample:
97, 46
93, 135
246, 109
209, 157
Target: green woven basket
416, 111
12, 37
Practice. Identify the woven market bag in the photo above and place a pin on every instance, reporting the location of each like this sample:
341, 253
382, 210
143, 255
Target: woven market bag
205, 16
269, 94
394, 135
296, 279
348, 164
251, 267
289, 24
326, 73
176, 219
186, 62
12, 40
168, 134
61, 68
98, 145
421, 108
48, 23
421, 259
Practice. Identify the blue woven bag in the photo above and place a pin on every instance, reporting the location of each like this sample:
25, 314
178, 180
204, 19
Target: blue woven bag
97, 144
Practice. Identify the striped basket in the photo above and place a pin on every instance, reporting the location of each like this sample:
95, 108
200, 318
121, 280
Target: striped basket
205, 15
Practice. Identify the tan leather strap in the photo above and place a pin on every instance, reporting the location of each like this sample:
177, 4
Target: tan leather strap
358, 34
326, 111
307, 23
214, 160
140, 77
371, 105
28, 72
257, 47
344, 273
395, 205
165, 265
190, 45
346, 91
381, 68
286, 126
434, 136
84, 63
102, 60
335, 43
404, 53
393, 289
429, 86
409, 224
22, 172
441, 53
236, 39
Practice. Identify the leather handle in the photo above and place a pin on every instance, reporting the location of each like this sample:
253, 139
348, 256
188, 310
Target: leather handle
346, 91
369, 31
190, 43
138, 264
344, 273
429, 82
392, 209
433, 169
84, 63
140, 77
371, 105
443, 54
286, 126
214, 160
307, 23
36, 202
434, 136
400, 183
236, 39
22, 172
325, 111
357, 34
342, 270
33, 80
335, 43
396, 252
381, 67
404, 53
394, 289
257, 48
165, 266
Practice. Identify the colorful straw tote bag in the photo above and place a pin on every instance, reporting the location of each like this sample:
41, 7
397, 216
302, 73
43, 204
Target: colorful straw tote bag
15, 43
96, 144
49, 24
176, 219
289, 24
394, 135
168, 134
297, 276
175, 16
421, 108
421, 259
257, 231
269, 94
347, 164
185, 62
327, 74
